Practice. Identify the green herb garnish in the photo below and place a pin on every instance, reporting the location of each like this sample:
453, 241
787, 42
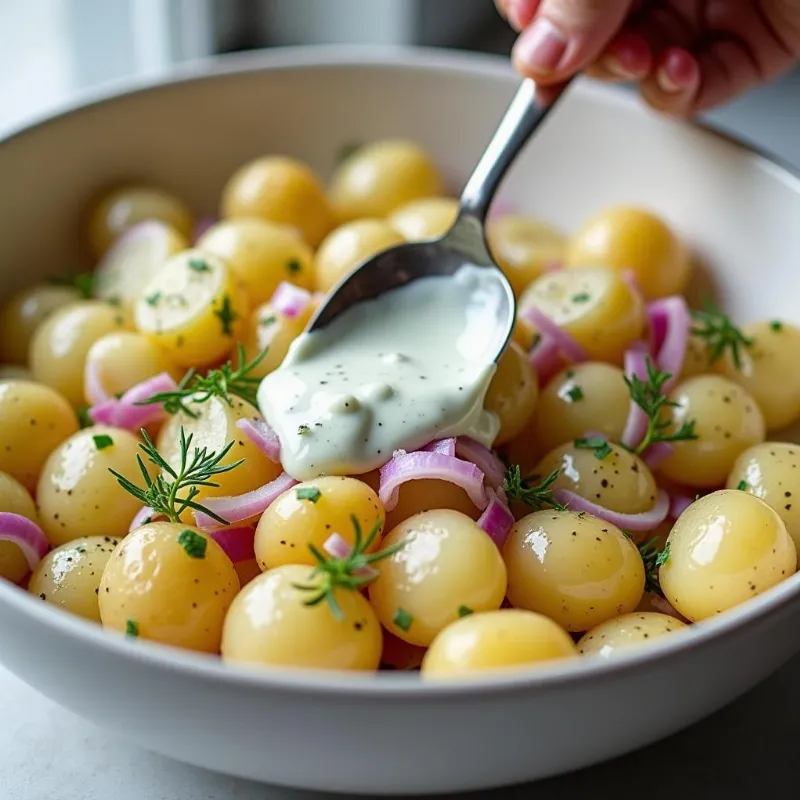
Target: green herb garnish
199, 265
82, 281
776, 325
172, 491
402, 619
294, 266
152, 299
575, 394
348, 573
265, 322
653, 559
348, 149
84, 419
721, 336
223, 383
464, 611
303, 430
102, 441
742, 487
582, 297
226, 315
649, 396
193, 543
602, 449
131, 628
536, 497
309, 493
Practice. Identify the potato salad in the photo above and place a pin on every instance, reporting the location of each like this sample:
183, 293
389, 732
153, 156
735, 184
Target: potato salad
624, 476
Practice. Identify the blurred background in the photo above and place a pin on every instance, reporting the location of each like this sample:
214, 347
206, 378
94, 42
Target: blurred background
52, 50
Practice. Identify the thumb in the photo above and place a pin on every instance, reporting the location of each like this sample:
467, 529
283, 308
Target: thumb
566, 36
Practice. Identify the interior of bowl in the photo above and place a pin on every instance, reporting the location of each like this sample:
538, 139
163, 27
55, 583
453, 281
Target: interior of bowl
738, 210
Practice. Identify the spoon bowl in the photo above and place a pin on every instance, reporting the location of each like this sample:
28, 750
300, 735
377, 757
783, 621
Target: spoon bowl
465, 243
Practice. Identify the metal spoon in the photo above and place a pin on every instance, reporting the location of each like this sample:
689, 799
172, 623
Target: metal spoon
465, 243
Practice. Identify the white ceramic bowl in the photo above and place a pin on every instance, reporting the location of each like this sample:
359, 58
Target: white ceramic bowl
391, 734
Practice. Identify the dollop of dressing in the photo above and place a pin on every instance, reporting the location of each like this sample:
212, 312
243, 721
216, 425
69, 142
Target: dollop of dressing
393, 373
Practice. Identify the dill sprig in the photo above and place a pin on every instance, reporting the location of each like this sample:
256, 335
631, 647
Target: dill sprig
719, 333
536, 497
649, 396
172, 491
653, 559
222, 383
344, 573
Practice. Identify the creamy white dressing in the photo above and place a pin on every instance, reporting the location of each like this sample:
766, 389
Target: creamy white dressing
393, 373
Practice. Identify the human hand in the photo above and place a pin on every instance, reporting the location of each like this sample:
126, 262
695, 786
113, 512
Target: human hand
687, 55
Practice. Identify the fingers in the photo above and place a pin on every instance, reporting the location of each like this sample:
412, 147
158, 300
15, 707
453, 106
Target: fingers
627, 58
674, 84
565, 36
519, 13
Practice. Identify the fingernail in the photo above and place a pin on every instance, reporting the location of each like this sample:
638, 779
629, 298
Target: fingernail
665, 83
611, 63
541, 47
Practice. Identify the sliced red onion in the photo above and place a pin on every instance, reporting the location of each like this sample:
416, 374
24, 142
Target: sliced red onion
127, 412
445, 446
565, 342
636, 424
290, 300
238, 543
93, 389
645, 521
262, 436
201, 227
670, 326
26, 535
657, 453
243, 506
483, 458
678, 504
143, 517
337, 547
545, 359
497, 521
430, 466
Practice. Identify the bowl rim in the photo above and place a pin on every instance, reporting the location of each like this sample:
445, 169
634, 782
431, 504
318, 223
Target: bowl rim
555, 676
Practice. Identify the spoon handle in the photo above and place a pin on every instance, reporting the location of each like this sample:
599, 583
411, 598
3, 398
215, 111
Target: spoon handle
522, 118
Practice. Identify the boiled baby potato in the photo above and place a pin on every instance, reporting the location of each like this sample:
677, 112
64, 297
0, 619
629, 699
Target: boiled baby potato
592, 396
135, 259
270, 623
414, 497
171, 584
727, 422
34, 420
194, 308
62, 343
283, 190
594, 304
767, 369
724, 549
213, 427
379, 178
497, 640
309, 513
349, 246
24, 312
14, 499
77, 494
268, 335
69, 576
574, 568
119, 361
629, 630
625, 238
513, 393
262, 255
771, 471
426, 219
122, 208
524, 248
445, 567
619, 480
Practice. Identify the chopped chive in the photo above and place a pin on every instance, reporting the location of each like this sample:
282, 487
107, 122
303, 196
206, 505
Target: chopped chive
265, 322
464, 611
294, 266
581, 297
199, 265
742, 487
152, 299
102, 441
84, 420
402, 619
575, 394
776, 325
131, 628
309, 493
194, 544
601, 447
227, 316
